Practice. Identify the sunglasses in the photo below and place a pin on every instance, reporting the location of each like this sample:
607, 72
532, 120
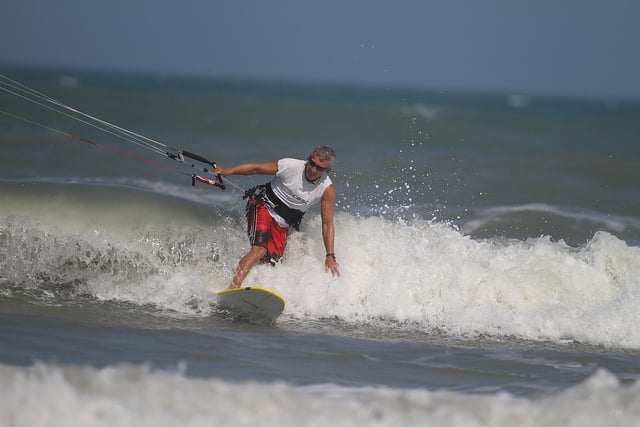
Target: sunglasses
315, 165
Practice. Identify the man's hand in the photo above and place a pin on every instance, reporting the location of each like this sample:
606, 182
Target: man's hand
330, 264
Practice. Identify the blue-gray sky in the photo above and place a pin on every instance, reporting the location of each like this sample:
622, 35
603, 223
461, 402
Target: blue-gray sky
566, 47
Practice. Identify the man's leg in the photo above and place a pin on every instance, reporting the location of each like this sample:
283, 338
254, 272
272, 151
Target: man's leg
245, 265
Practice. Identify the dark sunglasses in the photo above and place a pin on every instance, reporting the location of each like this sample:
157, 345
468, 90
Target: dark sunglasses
315, 165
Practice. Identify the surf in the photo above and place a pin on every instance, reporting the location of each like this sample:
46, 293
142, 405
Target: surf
127, 245
129, 232
122, 393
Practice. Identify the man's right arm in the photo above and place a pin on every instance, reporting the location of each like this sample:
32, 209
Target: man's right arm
268, 168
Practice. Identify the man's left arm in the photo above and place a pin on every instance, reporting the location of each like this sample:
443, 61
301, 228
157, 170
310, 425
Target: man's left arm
327, 204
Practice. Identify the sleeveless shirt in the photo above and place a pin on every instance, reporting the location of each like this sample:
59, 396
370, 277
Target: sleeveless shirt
291, 186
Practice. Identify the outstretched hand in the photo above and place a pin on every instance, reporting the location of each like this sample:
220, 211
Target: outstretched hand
331, 265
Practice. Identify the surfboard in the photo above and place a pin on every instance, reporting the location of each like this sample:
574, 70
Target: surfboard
252, 302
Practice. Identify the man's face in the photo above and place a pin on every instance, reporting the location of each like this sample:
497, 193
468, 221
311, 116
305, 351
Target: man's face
315, 168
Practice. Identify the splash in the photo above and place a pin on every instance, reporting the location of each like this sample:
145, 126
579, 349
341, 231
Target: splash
425, 275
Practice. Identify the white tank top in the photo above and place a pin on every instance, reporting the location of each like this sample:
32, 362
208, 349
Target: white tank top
291, 186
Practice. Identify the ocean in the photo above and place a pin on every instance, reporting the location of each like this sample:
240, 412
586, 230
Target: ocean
489, 249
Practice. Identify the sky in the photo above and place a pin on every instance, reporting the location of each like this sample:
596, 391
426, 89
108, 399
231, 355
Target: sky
554, 47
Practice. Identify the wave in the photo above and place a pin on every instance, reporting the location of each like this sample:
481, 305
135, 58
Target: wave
128, 394
572, 223
613, 222
119, 244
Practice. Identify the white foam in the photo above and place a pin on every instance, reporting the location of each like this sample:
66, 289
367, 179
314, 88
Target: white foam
431, 275
48, 395
423, 274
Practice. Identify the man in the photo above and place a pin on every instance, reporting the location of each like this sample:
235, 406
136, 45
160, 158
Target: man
281, 203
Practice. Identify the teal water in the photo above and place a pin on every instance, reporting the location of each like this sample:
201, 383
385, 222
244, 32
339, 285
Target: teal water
488, 245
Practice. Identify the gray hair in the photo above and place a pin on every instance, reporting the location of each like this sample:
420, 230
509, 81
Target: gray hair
324, 153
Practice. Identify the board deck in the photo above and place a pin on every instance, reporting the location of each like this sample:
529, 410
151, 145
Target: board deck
252, 302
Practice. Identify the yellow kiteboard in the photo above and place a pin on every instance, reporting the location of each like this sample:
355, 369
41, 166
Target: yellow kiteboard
252, 302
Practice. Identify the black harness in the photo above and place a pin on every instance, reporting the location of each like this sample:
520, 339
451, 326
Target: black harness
265, 195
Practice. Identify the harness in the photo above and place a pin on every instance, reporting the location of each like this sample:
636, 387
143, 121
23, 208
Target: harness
264, 194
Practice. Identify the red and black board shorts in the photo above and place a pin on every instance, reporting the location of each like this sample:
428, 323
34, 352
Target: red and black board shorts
264, 231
